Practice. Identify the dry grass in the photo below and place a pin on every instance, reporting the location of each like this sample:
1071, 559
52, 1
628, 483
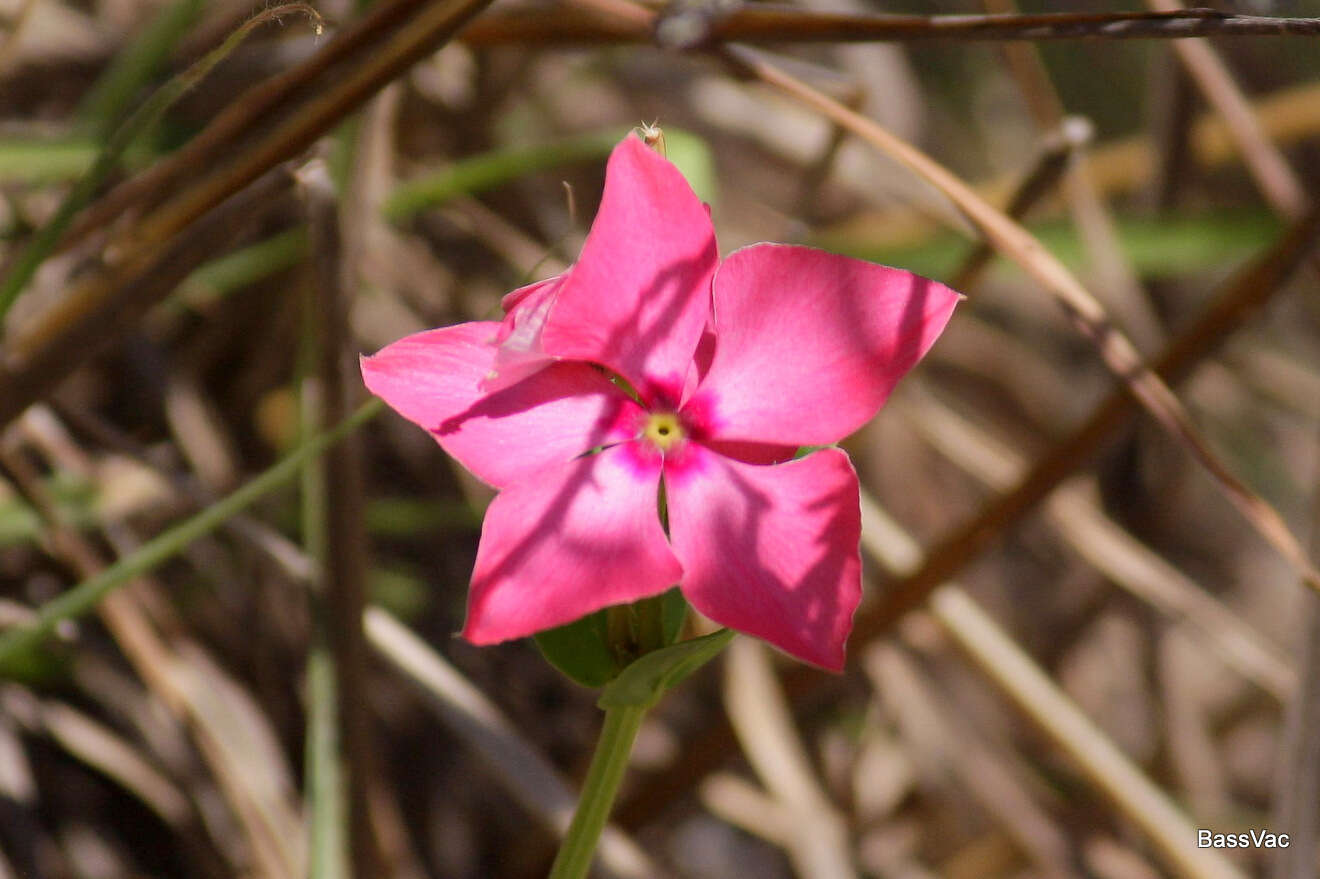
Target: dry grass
1129, 656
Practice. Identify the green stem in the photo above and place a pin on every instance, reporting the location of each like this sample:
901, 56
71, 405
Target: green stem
598, 791
325, 772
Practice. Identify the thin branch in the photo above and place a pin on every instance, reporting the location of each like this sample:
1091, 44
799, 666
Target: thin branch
1031, 691
1281, 187
475, 719
1040, 181
1073, 511
1242, 296
241, 118
42, 353
1104, 765
1082, 308
690, 25
302, 112
315, 114
1129, 165
1112, 272
141, 121
818, 844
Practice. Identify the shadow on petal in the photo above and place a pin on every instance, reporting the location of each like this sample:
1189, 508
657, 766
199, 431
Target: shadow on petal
772, 550
574, 539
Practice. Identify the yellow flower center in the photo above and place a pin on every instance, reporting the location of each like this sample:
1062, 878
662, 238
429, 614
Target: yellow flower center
664, 429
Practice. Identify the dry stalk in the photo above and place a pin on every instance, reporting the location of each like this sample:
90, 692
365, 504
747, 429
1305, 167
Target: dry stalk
691, 25
1086, 313
1281, 187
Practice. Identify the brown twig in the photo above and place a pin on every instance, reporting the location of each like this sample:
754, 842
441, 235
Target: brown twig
1121, 167
1297, 771
1281, 187
815, 174
1049, 168
1170, 111
1082, 308
1028, 71
257, 106
1239, 299
1242, 296
316, 111
1103, 764
67, 333
96, 310
21, 265
687, 26
1074, 513
1029, 689
1111, 271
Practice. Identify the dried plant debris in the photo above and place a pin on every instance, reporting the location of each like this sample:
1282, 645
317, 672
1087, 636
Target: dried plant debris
1074, 654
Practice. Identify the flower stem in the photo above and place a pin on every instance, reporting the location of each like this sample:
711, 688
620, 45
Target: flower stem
598, 791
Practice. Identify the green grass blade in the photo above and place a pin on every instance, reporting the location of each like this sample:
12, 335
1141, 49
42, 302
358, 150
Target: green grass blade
327, 776
142, 120
245, 266
44, 161
1167, 245
497, 167
107, 101
488, 170
84, 597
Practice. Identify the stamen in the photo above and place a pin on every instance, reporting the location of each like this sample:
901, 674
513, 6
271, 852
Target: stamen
664, 430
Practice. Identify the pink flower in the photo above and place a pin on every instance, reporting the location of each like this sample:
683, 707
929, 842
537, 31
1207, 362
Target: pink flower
733, 369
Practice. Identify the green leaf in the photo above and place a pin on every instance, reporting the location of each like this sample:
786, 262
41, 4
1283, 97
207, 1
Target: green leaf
673, 613
691, 155
581, 650
646, 680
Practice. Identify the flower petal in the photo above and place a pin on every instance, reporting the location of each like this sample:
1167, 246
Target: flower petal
519, 350
434, 379
809, 344
639, 295
575, 538
771, 551
514, 300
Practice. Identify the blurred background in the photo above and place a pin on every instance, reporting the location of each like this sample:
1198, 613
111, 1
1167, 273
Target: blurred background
204, 241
